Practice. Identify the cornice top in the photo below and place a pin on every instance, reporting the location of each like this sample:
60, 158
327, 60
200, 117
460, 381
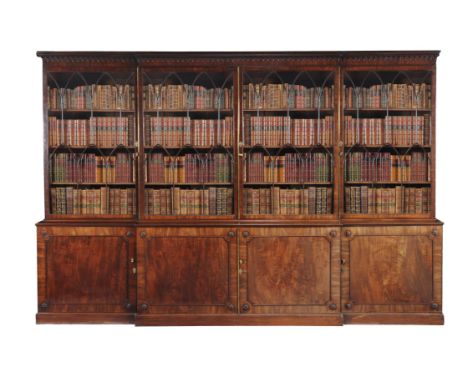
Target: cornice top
345, 57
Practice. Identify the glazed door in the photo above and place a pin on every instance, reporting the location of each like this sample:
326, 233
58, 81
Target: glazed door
289, 270
392, 269
187, 270
86, 270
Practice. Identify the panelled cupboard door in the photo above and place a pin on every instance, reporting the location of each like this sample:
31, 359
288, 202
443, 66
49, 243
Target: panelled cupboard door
86, 270
187, 270
289, 270
392, 269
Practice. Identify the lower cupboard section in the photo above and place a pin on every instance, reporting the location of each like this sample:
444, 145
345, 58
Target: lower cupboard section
86, 274
187, 271
240, 275
392, 272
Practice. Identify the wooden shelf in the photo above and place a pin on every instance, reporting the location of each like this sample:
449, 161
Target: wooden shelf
190, 111
188, 218
92, 147
293, 110
88, 217
284, 217
286, 146
188, 184
287, 184
416, 145
348, 215
368, 110
88, 111
405, 183
75, 184
229, 148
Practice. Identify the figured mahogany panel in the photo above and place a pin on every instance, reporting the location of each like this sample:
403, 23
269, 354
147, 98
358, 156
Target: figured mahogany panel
187, 270
391, 269
86, 270
401, 270
293, 270
288, 270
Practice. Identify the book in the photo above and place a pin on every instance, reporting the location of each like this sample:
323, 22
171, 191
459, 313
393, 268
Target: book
92, 97
288, 168
184, 96
390, 95
188, 168
384, 166
403, 130
277, 131
92, 201
98, 131
178, 131
288, 201
287, 96
92, 168
388, 200
180, 201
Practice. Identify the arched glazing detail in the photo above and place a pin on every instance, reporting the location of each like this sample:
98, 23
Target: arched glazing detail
286, 139
189, 140
287, 108
91, 136
188, 108
387, 135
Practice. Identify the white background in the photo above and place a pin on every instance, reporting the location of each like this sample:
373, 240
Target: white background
118, 353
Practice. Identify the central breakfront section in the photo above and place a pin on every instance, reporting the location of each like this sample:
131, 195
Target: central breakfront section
240, 188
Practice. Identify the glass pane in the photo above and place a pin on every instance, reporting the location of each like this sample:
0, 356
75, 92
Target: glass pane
387, 136
92, 154
288, 134
189, 140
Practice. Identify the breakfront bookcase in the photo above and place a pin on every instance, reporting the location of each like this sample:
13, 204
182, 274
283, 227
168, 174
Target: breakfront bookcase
239, 188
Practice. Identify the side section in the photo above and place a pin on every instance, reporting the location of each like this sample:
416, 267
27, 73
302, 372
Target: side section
86, 274
392, 274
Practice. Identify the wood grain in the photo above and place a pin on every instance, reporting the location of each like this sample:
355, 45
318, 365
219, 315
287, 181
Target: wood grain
86, 269
391, 269
187, 270
289, 270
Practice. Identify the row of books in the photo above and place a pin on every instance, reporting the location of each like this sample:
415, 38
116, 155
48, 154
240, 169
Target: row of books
384, 166
170, 97
287, 168
99, 131
396, 130
90, 168
278, 130
287, 96
179, 131
96, 97
188, 168
394, 200
392, 96
177, 201
94, 201
286, 201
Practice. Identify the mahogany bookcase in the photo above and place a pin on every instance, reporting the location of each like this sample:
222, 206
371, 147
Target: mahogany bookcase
239, 188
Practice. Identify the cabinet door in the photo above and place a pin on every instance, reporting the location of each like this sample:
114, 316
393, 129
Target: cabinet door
86, 270
392, 269
187, 270
289, 270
